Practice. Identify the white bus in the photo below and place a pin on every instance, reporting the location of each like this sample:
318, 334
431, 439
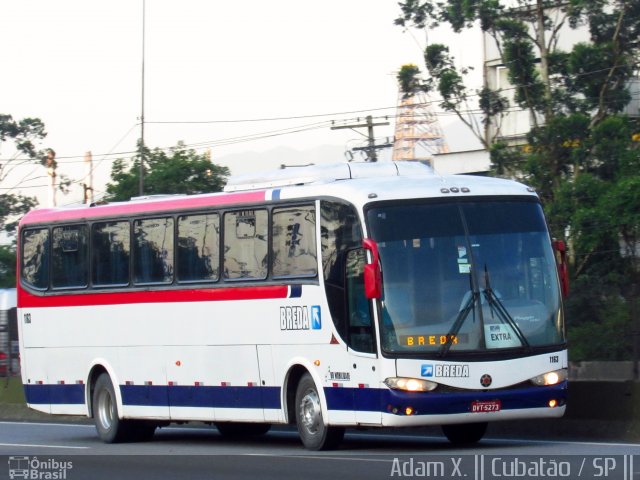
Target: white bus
355, 294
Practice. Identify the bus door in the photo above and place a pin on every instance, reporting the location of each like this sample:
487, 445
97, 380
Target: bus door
362, 343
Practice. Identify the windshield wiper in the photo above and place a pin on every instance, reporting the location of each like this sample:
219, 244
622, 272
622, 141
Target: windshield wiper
457, 325
496, 305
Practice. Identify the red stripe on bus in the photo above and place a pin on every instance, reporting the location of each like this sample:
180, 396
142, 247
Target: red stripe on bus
26, 300
142, 207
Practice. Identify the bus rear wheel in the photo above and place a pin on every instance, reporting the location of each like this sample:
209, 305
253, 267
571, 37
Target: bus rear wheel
314, 433
111, 428
465, 434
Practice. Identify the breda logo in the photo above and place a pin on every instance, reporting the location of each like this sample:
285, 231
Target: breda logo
301, 318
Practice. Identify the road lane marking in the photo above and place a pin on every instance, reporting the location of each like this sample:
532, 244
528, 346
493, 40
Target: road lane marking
363, 435
319, 457
382, 435
39, 446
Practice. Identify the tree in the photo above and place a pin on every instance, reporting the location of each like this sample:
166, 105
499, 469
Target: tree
591, 78
24, 135
180, 170
582, 154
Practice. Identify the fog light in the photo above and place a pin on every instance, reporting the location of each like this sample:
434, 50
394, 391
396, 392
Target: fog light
408, 411
553, 403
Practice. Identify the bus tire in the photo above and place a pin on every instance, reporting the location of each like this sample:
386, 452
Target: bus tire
242, 429
465, 434
315, 435
111, 429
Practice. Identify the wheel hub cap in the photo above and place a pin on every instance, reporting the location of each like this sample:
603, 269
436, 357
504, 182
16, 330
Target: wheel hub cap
310, 411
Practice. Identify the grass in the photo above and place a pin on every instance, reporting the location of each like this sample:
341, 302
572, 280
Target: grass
11, 390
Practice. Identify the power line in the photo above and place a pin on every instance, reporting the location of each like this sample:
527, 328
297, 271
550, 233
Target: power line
513, 108
272, 119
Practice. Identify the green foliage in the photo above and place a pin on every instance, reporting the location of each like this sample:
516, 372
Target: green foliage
179, 171
606, 336
22, 133
409, 79
506, 161
590, 74
24, 136
11, 207
591, 79
523, 73
492, 104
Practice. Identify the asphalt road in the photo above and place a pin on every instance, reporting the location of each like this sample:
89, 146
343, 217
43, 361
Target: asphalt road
73, 452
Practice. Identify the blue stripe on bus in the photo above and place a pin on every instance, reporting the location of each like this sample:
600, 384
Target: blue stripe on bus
357, 399
296, 291
54, 394
163, 396
375, 400
275, 194
207, 397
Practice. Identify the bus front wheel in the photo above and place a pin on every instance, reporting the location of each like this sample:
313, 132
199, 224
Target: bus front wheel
314, 433
465, 434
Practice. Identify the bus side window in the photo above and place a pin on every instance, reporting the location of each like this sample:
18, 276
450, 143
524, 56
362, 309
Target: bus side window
153, 250
294, 242
111, 246
246, 245
35, 258
69, 257
198, 252
361, 332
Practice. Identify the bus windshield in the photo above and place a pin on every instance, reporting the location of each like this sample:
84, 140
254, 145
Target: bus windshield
466, 276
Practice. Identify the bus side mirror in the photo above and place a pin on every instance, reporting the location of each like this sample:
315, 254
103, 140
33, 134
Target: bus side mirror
372, 271
560, 249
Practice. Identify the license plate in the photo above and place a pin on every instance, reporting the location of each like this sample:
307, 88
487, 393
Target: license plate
486, 406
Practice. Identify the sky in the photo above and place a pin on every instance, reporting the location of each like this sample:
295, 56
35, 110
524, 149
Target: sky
217, 75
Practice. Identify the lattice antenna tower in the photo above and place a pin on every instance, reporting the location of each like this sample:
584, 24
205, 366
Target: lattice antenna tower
418, 135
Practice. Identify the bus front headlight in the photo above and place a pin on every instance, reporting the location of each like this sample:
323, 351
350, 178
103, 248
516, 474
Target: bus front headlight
410, 384
550, 378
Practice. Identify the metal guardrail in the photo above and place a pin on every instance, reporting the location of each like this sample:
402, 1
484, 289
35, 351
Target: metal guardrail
623, 371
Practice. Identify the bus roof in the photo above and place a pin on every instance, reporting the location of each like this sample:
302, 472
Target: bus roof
357, 182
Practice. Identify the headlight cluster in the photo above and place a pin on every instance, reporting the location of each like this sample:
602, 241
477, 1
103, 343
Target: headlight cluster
410, 384
550, 378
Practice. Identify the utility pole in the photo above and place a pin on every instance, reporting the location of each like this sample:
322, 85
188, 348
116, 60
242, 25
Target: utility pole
51, 171
141, 173
88, 184
371, 147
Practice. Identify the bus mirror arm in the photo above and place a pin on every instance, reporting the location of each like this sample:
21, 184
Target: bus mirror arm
560, 249
372, 271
